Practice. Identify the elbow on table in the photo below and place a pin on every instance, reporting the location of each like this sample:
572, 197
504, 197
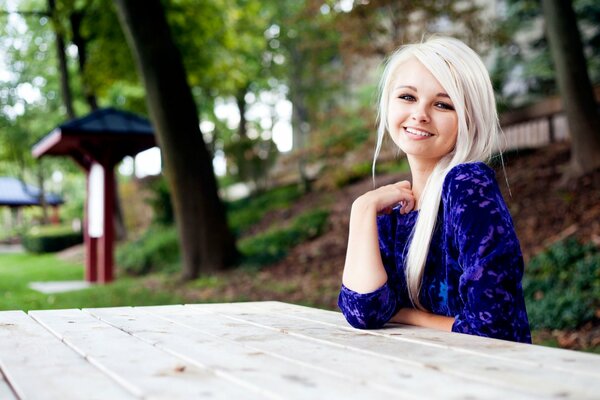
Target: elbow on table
368, 310
360, 320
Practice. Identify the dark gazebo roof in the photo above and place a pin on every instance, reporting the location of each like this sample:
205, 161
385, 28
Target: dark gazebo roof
15, 193
104, 131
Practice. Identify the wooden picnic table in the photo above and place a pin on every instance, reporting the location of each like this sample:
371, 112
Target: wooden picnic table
268, 350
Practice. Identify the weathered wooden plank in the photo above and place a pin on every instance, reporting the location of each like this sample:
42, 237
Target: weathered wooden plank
145, 370
6, 392
402, 378
39, 366
540, 381
277, 374
563, 360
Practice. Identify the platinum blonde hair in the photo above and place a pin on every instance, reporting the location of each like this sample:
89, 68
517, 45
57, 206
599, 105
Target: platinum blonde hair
461, 73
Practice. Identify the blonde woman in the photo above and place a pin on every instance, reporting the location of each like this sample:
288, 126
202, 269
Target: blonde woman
439, 251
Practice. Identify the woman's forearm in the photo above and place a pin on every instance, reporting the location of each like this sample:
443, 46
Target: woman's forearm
363, 269
411, 316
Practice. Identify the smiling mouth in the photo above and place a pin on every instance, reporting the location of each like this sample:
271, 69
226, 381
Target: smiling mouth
417, 132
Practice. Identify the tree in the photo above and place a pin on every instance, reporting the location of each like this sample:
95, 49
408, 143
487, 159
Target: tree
523, 70
307, 51
206, 241
377, 27
574, 85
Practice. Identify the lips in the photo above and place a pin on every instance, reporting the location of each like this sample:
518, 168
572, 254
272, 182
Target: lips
418, 132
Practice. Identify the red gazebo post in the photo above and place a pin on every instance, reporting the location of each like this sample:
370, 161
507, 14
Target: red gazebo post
102, 137
90, 243
106, 242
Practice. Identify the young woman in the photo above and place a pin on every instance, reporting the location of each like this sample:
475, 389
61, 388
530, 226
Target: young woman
440, 251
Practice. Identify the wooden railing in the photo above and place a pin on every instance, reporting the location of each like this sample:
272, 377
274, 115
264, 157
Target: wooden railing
537, 125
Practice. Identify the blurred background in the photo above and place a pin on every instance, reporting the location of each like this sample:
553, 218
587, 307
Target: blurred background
264, 118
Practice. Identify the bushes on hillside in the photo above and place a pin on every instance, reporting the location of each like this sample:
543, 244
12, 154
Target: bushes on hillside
562, 286
51, 238
271, 246
243, 213
156, 250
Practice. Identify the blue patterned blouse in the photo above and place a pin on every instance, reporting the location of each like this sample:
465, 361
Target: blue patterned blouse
474, 267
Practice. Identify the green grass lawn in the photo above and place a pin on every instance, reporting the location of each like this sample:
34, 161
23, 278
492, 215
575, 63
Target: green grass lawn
18, 270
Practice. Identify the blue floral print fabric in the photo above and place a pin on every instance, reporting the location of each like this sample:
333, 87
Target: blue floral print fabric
474, 266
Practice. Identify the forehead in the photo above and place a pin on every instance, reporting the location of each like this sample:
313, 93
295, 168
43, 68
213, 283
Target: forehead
413, 73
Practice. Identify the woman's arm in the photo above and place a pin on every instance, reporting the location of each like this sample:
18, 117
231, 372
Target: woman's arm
366, 298
411, 316
363, 270
489, 255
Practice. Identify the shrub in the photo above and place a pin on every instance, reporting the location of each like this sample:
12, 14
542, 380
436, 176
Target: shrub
245, 212
562, 286
157, 250
252, 159
274, 244
51, 238
346, 176
160, 202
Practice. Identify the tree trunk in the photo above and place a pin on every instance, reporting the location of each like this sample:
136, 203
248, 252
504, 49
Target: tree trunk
574, 85
206, 241
240, 99
78, 40
63, 67
300, 120
42, 193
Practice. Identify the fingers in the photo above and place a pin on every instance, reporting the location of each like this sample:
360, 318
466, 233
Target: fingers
404, 184
391, 196
397, 195
407, 204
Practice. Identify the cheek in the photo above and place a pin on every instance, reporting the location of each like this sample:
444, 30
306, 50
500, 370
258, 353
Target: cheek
451, 127
395, 119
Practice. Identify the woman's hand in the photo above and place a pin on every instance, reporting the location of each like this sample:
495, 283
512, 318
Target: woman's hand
364, 271
385, 198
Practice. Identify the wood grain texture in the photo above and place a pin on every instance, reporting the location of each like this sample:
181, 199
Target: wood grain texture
6, 391
268, 350
142, 368
39, 366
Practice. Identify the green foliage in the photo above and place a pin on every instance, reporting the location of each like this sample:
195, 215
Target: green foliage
342, 176
274, 244
346, 176
156, 250
562, 286
252, 159
160, 201
243, 213
51, 238
522, 54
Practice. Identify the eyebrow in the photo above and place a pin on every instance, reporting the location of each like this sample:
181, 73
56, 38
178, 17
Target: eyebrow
441, 94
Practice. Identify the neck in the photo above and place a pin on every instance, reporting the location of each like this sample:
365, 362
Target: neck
420, 172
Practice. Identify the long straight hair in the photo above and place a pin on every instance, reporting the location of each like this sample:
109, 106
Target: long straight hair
462, 74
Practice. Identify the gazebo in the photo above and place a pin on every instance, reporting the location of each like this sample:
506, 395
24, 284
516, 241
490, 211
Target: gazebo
16, 194
98, 142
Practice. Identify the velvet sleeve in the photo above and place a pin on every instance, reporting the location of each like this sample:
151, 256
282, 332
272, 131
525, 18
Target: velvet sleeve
375, 309
489, 256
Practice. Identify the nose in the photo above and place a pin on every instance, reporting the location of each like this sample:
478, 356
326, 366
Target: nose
420, 114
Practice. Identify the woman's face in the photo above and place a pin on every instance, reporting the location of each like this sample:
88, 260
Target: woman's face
421, 117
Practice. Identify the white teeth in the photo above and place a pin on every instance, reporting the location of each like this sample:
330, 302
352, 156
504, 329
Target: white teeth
418, 133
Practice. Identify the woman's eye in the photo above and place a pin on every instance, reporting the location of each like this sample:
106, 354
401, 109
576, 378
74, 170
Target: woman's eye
406, 97
445, 106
